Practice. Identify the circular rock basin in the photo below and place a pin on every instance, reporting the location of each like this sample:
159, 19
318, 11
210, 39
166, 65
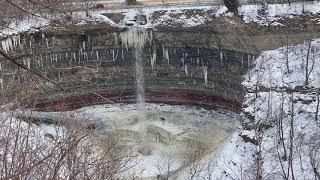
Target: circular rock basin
166, 138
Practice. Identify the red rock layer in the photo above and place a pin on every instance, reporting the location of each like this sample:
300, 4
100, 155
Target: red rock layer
182, 97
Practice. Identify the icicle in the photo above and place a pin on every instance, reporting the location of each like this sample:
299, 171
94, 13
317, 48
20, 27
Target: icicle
38, 64
1, 83
205, 73
134, 38
97, 55
56, 57
47, 59
84, 45
221, 57
242, 60
14, 41
3, 46
18, 41
115, 38
74, 57
50, 56
150, 37
26, 62
79, 57
91, 55
7, 45
86, 56
182, 60
198, 61
198, 50
47, 42
249, 59
29, 63
30, 43
186, 69
165, 54
213, 87
153, 58
53, 40
1, 67
11, 47
113, 55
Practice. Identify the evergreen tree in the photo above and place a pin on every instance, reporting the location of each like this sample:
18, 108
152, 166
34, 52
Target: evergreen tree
232, 6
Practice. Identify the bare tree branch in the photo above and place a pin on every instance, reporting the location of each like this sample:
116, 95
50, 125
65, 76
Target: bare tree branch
14, 61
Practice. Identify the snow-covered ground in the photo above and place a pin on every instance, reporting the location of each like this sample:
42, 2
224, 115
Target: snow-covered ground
286, 67
27, 24
186, 16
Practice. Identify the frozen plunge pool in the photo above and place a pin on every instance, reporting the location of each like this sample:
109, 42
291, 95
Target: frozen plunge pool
167, 139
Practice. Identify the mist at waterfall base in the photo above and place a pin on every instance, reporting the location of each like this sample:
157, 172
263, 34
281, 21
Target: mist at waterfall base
174, 135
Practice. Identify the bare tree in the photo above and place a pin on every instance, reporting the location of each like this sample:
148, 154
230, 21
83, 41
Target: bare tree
72, 152
317, 108
281, 146
291, 143
308, 69
314, 155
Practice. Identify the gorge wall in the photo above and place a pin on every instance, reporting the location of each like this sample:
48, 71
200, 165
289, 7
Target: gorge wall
96, 66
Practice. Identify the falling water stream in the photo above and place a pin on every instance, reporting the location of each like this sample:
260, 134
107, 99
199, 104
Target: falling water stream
139, 83
136, 39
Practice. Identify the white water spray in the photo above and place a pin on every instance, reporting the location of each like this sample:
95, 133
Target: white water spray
137, 38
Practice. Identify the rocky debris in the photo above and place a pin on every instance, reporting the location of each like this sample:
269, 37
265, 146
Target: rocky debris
248, 139
141, 19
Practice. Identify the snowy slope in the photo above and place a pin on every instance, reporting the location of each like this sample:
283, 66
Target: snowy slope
186, 16
271, 68
282, 105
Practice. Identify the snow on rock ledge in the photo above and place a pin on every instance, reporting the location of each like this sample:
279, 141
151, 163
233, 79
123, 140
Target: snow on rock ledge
286, 67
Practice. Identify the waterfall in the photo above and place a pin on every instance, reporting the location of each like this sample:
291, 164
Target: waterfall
139, 81
137, 38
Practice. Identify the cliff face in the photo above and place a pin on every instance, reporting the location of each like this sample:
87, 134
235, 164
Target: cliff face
98, 66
